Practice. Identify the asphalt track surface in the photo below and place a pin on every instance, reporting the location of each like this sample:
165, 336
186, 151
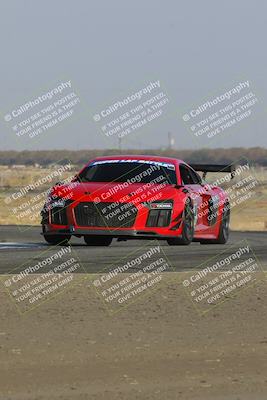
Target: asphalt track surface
24, 244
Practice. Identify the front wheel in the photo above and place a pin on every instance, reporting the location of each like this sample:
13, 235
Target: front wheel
224, 228
91, 240
188, 227
57, 239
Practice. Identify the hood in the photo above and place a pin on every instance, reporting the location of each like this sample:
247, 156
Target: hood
114, 192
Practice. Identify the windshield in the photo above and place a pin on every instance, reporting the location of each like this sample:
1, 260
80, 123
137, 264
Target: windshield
129, 171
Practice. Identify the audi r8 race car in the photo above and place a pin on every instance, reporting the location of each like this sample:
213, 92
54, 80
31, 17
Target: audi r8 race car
138, 197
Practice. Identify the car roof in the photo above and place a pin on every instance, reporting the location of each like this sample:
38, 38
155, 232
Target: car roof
141, 157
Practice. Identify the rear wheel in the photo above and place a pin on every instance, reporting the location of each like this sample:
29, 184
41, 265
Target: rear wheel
224, 228
97, 240
188, 227
57, 239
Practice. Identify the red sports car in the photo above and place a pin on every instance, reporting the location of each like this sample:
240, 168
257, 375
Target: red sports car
138, 197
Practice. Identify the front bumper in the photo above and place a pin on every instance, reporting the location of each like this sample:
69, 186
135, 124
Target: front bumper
147, 223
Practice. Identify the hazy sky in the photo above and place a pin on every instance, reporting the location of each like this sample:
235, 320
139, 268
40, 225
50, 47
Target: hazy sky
111, 49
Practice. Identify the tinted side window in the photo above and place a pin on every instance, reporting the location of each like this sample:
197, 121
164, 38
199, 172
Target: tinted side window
196, 178
186, 176
189, 177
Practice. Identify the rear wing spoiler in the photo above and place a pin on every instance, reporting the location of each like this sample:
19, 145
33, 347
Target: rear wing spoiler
205, 168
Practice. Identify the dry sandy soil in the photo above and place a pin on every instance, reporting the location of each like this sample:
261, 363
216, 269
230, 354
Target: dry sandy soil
157, 348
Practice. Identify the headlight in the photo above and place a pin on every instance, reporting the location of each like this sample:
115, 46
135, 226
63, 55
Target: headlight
58, 203
53, 201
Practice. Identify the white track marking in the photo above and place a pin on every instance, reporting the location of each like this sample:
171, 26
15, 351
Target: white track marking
14, 245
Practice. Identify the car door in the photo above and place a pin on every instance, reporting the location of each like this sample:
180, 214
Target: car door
193, 183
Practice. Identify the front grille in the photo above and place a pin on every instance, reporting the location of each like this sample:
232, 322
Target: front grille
159, 218
105, 214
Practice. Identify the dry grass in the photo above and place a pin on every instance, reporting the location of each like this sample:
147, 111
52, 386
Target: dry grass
25, 209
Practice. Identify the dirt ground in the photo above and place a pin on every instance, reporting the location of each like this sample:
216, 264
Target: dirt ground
158, 348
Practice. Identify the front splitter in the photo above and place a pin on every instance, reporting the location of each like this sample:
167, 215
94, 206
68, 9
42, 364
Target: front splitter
127, 234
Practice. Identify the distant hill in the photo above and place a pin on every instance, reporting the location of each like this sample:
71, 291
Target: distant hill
256, 155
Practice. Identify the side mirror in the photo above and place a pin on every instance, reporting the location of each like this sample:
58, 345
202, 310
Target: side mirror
75, 178
59, 183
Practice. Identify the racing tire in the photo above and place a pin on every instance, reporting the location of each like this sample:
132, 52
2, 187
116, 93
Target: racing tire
224, 228
188, 227
57, 239
97, 240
